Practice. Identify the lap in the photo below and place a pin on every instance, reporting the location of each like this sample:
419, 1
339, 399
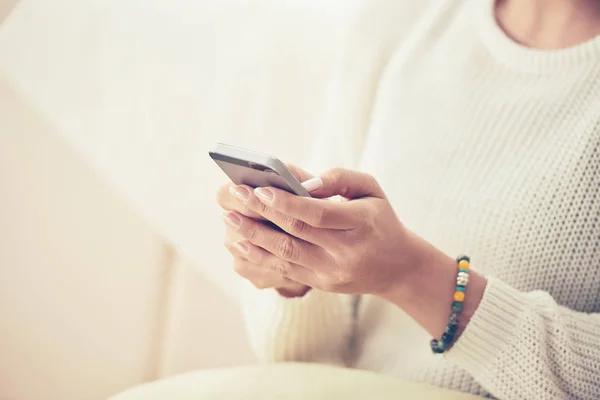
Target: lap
286, 381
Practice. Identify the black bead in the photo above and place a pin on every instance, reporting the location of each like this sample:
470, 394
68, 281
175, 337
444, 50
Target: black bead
457, 306
447, 338
463, 257
453, 318
437, 346
451, 329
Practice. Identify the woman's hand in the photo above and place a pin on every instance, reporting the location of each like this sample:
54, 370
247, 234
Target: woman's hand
260, 275
355, 246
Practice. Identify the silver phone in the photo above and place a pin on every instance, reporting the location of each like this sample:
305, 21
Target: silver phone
245, 167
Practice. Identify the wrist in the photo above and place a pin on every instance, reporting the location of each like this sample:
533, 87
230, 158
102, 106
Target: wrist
427, 294
429, 270
417, 268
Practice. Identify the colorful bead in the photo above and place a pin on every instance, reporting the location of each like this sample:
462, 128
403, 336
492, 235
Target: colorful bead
462, 279
463, 257
463, 264
459, 296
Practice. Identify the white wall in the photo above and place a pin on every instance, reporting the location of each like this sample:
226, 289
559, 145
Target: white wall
92, 301
81, 275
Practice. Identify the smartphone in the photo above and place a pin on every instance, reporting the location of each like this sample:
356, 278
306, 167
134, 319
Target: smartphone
245, 167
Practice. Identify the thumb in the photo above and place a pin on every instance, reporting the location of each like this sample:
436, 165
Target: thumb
349, 184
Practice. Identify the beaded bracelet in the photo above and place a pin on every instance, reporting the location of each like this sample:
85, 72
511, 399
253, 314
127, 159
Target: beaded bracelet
462, 279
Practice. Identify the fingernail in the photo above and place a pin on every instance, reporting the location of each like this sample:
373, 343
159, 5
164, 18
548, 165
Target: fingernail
312, 184
264, 194
232, 220
240, 192
241, 246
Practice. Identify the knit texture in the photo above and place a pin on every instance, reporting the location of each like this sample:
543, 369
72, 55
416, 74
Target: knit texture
485, 148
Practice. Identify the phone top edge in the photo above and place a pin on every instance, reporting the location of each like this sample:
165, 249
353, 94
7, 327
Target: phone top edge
245, 154
238, 155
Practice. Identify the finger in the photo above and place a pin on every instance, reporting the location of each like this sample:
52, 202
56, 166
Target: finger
228, 198
257, 276
278, 243
349, 184
268, 270
231, 237
299, 173
287, 223
305, 217
310, 183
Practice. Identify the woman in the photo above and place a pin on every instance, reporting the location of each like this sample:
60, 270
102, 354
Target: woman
483, 139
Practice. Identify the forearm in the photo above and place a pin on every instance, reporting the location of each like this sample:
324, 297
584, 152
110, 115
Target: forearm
426, 292
516, 344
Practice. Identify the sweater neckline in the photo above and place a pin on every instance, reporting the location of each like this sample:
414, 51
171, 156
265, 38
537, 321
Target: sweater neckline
517, 55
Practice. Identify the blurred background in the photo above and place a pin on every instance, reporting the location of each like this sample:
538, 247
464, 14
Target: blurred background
112, 267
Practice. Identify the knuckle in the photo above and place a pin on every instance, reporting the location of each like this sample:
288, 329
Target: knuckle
370, 179
258, 206
340, 279
340, 175
263, 208
373, 183
287, 249
251, 232
296, 226
283, 269
337, 173
343, 273
319, 217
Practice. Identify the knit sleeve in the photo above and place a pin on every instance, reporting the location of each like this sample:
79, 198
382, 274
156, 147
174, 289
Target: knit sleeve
519, 345
312, 328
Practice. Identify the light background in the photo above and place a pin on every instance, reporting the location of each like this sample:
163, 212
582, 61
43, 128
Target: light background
112, 267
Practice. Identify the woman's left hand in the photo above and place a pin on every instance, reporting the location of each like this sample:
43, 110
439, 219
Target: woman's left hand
356, 246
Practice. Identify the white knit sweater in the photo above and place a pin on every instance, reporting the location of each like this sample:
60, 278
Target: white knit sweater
485, 148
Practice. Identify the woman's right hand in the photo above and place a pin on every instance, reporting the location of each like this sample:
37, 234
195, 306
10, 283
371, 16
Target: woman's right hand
246, 258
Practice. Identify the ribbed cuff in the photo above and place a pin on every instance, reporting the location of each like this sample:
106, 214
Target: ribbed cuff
314, 327
491, 329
